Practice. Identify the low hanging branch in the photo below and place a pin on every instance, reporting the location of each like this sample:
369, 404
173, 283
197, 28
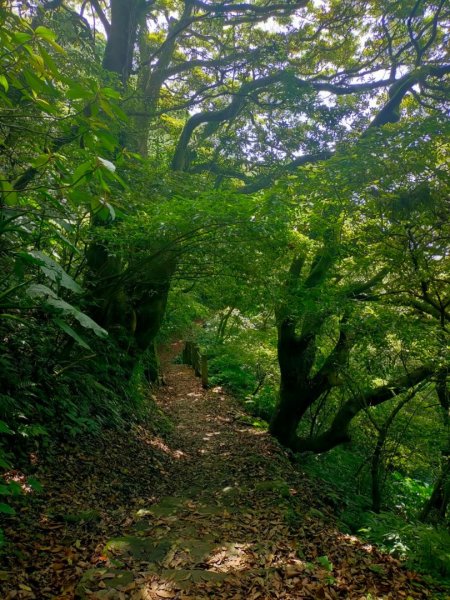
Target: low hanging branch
338, 432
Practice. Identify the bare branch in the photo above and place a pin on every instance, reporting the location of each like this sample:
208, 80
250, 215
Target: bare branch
95, 4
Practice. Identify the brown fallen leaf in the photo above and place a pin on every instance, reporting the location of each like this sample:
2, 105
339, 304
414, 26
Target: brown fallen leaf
165, 594
128, 588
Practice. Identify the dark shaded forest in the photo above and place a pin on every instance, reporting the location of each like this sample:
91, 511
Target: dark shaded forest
267, 182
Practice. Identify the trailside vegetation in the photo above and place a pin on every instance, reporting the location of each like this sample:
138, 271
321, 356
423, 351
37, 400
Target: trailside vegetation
267, 179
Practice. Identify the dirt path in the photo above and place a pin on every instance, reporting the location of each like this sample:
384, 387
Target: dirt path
242, 523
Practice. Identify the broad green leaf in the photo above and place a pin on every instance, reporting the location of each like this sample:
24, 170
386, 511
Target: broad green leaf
4, 82
15, 488
105, 187
10, 290
35, 484
106, 107
49, 62
56, 47
55, 272
83, 319
107, 140
77, 196
12, 318
9, 193
40, 161
119, 112
37, 290
4, 463
68, 243
110, 93
4, 428
121, 181
38, 61
46, 106
45, 33
77, 91
20, 37
6, 509
73, 334
80, 172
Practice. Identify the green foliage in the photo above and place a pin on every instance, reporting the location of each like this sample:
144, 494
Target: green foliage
57, 377
409, 495
244, 361
348, 491
183, 313
422, 547
96, 236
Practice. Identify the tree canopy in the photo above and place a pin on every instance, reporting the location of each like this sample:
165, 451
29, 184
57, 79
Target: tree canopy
276, 171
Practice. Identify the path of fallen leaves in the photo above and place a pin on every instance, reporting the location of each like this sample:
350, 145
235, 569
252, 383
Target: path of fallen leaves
213, 510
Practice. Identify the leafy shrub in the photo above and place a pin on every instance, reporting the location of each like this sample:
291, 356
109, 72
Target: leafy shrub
408, 494
227, 369
422, 547
262, 403
244, 362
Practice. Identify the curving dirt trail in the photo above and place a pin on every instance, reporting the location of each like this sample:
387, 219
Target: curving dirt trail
242, 522
212, 509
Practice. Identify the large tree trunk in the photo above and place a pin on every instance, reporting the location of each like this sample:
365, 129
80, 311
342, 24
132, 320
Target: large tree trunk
436, 507
297, 352
118, 55
131, 311
297, 392
152, 76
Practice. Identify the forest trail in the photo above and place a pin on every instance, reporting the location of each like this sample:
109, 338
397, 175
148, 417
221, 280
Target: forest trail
242, 523
211, 508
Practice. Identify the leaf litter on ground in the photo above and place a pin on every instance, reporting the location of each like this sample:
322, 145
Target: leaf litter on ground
212, 509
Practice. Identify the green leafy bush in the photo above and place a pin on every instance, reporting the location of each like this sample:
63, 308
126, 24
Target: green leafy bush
422, 547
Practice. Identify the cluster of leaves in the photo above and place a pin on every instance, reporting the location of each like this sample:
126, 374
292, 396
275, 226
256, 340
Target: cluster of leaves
60, 375
422, 547
241, 358
396, 530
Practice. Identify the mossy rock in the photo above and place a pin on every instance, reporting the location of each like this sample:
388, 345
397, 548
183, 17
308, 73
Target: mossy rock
184, 578
279, 487
169, 506
139, 548
84, 516
111, 578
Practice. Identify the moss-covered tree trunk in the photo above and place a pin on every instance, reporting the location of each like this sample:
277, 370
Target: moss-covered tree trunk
297, 390
129, 304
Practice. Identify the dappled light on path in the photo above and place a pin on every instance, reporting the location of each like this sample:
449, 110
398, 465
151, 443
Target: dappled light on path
242, 523
207, 506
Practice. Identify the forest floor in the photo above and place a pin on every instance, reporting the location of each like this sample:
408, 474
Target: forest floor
213, 509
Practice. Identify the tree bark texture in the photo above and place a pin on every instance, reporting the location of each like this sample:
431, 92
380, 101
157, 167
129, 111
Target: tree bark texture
118, 55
